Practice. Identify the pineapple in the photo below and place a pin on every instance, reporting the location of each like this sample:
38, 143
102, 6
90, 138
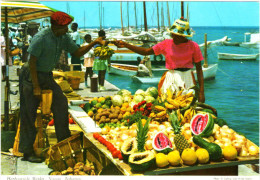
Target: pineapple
180, 142
142, 134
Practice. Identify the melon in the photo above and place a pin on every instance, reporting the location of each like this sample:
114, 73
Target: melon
202, 124
161, 143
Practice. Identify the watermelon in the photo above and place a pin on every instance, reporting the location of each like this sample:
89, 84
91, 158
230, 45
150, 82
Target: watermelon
161, 143
202, 124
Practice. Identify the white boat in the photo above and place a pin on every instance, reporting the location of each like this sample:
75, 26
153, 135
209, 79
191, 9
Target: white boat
254, 41
209, 73
227, 56
129, 70
123, 69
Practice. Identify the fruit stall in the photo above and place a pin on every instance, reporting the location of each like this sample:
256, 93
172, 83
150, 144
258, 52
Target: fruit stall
150, 134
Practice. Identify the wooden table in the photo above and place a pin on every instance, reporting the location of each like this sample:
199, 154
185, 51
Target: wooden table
98, 154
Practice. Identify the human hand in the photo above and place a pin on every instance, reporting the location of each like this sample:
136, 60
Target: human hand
119, 44
37, 91
100, 41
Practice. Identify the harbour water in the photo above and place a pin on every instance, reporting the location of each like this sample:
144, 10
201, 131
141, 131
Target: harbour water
235, 90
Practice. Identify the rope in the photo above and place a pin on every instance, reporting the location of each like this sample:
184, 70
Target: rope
234, 79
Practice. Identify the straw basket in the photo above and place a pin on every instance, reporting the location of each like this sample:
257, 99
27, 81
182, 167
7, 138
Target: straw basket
66, 153
74, 81
76, 73
46, 101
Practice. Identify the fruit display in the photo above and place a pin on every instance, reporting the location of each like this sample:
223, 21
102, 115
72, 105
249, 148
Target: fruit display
103, 52
172, 129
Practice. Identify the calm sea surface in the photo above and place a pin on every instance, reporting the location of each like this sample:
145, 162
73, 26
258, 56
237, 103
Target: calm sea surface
234, 92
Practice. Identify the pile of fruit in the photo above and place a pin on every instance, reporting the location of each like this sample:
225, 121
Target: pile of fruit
103, 52
79, 169
171, 129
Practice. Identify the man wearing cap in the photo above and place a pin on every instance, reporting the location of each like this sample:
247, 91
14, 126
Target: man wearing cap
180, 56
36, 75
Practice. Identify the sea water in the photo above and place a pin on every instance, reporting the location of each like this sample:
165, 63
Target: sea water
235, 90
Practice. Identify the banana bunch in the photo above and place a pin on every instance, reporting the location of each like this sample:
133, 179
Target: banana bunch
103, 52
189, 113
178, 101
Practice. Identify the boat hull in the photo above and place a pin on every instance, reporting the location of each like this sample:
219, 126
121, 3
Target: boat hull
209, 73
226, 56
123, 69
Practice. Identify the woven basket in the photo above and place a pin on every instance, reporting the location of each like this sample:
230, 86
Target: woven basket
74, 81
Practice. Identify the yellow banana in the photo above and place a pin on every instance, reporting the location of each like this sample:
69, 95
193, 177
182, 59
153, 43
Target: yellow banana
160, 114
169, 93
159, 108
172, 102
169, 106
179, 93
189, 94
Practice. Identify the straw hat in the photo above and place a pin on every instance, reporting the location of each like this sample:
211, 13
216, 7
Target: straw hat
181, 27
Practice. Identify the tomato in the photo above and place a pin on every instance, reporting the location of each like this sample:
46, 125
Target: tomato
51, 123
96, 135
71, 121
115, 153
120, 157
111, 148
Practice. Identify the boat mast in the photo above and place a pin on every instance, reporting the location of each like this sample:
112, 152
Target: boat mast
158, 16
168, 12
103, 16
188, 17
205, 65
100, 20
128, 15
145, 20
84, 19
182, 9
162, 17
122, 26
135, 15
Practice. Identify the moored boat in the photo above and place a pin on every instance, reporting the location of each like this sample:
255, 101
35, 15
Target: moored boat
228, 56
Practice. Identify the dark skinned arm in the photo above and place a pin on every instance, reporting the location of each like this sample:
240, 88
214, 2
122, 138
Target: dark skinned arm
201, 81
34, 76
139, 50
84, 49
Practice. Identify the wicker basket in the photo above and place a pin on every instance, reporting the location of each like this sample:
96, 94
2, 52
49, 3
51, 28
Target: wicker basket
76, 73
74, 81
66, 153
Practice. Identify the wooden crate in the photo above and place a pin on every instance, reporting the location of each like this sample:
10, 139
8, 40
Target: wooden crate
66, 153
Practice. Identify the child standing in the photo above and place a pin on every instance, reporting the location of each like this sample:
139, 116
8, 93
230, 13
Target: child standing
88, 59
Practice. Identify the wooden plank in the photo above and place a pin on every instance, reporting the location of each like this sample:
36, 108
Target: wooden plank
223, 167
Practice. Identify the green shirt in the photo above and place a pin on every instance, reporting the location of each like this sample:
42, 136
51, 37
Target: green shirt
47, 48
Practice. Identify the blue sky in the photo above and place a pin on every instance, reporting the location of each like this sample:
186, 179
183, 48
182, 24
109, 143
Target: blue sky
201, 13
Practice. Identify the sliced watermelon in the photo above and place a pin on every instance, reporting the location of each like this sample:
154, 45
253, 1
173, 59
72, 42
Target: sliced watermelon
202, 124
161, 143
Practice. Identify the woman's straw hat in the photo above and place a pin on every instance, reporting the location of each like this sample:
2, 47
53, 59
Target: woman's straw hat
181, 27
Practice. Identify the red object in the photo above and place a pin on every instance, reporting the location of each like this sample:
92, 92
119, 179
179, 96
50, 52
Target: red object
139, 104
60, 19
96, 135
115, 153
149, 104
120, 157
71, 121
51, 123
111, 148
143, 102
141, 109
135, 106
